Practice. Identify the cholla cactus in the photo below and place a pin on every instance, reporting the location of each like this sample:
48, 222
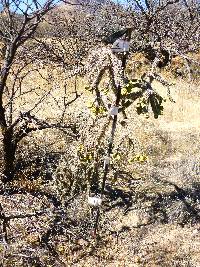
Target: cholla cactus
111, 57
104, 59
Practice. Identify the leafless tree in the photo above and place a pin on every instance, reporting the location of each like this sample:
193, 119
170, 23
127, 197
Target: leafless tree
167, 28
170, 28
19, 22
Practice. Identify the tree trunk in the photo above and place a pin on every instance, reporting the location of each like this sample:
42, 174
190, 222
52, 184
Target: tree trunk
9, 149
9, 146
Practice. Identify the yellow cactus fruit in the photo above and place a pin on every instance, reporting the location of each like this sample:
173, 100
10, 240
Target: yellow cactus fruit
89, 104
138, 158
124, 91
80, 148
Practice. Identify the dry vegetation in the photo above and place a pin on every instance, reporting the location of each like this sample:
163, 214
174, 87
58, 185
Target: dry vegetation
150, 215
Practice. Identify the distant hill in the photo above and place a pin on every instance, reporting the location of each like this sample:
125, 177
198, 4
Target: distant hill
76, 2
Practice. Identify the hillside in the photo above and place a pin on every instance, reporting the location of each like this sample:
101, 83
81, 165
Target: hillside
83, 125
150, 212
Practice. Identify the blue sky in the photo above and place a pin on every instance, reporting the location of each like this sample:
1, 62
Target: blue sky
23, 4
30, 2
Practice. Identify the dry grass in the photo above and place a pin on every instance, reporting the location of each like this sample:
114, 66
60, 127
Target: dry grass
154, 218
160, 228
